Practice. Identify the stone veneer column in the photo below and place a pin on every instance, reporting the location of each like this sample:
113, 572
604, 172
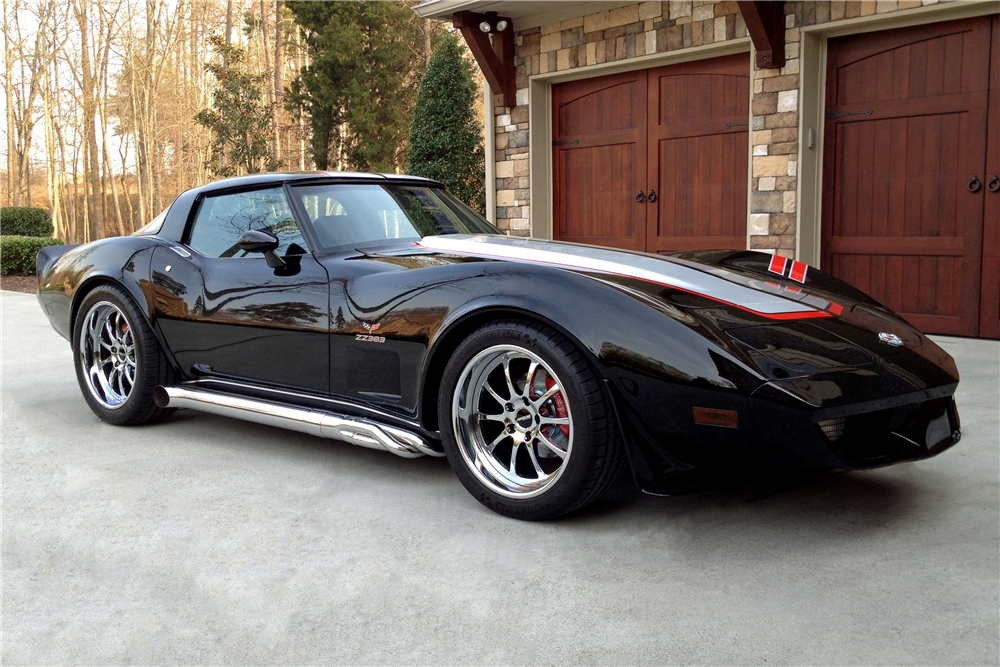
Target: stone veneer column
775, 123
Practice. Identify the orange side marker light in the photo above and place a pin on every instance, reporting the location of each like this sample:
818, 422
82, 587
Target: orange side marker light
713, 417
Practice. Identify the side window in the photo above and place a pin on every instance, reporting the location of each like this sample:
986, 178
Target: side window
223, 219
347, 214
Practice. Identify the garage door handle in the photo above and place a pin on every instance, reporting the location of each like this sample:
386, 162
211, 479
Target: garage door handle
640, 197
994, 184
651, 197
974, 184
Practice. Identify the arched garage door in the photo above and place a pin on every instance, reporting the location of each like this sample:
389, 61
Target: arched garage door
654, 160
907, 172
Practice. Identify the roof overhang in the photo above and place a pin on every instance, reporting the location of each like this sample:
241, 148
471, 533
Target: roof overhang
765, 22
524, 13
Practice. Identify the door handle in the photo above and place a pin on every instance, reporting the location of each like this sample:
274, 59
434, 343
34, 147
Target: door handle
651, 197
640, 197
994, 185
974, 184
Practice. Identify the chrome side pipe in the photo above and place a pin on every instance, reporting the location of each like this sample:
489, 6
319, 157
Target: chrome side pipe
354, 430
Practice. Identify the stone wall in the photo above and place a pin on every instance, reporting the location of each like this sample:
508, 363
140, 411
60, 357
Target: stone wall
657, 27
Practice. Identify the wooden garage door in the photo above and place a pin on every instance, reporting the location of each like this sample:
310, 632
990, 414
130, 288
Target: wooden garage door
654, 160
599, 160
905, 137
698, 138
989, 313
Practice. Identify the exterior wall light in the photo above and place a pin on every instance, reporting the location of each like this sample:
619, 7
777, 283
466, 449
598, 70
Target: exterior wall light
501, 25
484, 26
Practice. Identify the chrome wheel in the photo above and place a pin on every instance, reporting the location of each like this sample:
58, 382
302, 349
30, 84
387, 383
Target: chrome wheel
107, 355
512, 421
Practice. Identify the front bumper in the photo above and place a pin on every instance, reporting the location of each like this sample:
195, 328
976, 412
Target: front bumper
860, 435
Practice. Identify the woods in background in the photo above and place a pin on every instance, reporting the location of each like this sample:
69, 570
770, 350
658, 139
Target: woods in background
357, 94
115, 107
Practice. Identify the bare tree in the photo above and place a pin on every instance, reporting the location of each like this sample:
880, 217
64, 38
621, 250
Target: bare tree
101, 95
13, 173
88, 84
278, 66
24, 93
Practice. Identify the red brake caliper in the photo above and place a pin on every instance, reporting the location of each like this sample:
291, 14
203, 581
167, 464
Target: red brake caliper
560, 403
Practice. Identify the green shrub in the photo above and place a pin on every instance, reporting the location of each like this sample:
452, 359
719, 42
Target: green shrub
17, 253
24, 221
446, 143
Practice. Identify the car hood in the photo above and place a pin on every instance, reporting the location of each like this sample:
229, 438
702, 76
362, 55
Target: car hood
786, 328
714, 283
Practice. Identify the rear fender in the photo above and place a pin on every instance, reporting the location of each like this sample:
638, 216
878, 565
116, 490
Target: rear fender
76, 271
48, 255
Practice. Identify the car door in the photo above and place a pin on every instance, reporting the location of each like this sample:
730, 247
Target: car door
384, 307
225, 312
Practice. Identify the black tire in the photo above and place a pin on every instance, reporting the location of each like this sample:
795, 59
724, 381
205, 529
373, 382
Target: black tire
150, 364
594, 457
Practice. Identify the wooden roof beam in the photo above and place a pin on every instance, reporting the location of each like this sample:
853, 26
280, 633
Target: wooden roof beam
495, 58
766, 24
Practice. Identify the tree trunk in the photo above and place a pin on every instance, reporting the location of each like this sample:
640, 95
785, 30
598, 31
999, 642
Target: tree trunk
145, 140
278, 67
51, 177
102, 48
229, 40
69, 223
299, 64
13, 176
123, 154
116, 206
427, 42
270, 89
89, 121
140, 161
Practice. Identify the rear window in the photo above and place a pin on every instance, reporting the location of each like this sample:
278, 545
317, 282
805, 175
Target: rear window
154, 226
346, 214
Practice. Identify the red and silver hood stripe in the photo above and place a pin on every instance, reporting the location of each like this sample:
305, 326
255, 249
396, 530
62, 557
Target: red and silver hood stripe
757, 296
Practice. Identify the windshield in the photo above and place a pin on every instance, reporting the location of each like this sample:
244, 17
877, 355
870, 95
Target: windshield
352, 214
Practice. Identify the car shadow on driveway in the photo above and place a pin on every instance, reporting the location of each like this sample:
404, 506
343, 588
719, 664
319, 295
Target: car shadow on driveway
821, 502
825, 504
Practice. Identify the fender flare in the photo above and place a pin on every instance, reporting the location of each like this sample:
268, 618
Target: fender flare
133, 288
465, 320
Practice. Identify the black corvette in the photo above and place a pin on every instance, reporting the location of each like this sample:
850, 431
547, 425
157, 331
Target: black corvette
380, 311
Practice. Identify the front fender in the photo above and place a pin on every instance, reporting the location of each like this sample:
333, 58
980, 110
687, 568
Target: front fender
658, 362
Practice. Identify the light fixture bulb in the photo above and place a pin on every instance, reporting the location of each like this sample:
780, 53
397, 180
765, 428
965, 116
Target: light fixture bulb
501, 25
484, 26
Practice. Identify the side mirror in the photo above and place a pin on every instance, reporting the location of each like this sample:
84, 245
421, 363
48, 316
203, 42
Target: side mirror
256, 240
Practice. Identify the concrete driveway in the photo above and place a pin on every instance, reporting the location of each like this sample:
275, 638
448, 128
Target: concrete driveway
211, 541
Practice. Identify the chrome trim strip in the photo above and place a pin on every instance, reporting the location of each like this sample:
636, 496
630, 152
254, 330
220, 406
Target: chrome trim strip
673, 273
180, 250
319, 423
239, 386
